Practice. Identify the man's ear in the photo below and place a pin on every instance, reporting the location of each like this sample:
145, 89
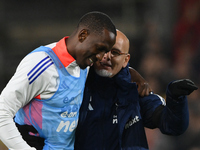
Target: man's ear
127, 58
83, 35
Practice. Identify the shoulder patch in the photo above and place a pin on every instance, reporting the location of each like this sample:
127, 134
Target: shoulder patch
39, 68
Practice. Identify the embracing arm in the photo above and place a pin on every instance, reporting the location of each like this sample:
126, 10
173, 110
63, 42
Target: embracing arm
17, 93
143, 87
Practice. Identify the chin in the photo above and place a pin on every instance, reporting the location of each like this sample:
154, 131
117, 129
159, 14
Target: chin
82, 66
103, 73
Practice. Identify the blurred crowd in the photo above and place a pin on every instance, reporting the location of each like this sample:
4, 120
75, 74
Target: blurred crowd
166, 60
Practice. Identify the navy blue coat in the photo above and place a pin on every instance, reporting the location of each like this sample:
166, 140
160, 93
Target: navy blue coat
113, 115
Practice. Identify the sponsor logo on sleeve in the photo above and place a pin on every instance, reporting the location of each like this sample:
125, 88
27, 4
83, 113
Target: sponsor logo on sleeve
132, 122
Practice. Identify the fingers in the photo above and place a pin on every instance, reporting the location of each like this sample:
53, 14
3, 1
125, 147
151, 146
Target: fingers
187, 84
144, 89
182, 87
191, 84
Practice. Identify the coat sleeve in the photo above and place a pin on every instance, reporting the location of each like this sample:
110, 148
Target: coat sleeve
151, 108
172, 117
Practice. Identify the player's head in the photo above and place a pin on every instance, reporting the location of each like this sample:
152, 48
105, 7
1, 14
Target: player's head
95, 35
113, 61
96, 22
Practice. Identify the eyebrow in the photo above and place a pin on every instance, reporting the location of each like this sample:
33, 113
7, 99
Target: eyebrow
116, 49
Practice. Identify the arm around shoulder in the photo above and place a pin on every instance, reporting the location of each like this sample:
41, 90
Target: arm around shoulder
143, 86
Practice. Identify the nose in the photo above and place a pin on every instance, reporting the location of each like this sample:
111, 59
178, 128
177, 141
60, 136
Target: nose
107, 55
99, 56
104, 55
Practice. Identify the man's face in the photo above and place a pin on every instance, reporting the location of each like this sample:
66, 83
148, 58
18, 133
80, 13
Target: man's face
93, 47
113, 61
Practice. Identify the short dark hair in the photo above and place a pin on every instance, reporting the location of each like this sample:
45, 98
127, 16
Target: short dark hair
97, 21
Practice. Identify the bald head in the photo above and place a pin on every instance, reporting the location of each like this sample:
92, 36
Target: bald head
122, 42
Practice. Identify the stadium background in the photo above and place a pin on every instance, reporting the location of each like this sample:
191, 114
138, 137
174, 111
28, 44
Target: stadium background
164, 36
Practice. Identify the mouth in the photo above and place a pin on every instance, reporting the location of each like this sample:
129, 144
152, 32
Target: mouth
105, 65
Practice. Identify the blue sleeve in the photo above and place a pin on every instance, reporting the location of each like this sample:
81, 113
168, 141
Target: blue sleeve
174, 119
149, 105
171, 118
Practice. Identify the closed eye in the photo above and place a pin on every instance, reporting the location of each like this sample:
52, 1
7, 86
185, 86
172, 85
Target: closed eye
102, 49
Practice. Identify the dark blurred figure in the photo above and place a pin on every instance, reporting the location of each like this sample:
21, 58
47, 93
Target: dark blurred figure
186, 38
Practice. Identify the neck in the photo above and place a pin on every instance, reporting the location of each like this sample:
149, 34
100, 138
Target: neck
69, 43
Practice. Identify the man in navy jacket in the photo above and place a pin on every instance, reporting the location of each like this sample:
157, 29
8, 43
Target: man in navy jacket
113, 115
